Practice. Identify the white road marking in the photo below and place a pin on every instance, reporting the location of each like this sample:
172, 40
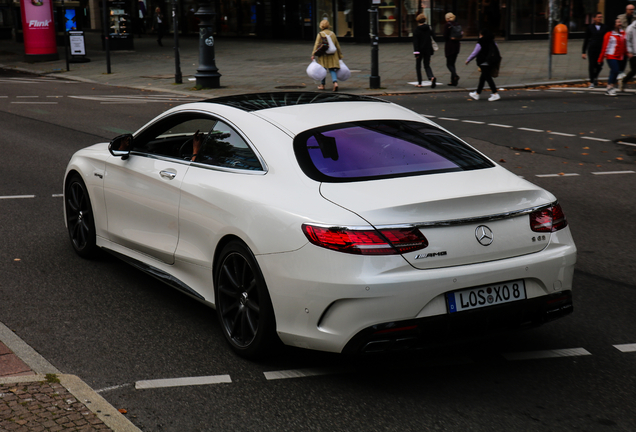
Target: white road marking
595, 139
473, 122
499, 125
57, 195
35, 103
23, 97
446, 118
300, 373
117, 387
626, 347
562, 134
530, 130
16, 196
427, 115
533, 355
181, 382
558, 175
627, 144
613, 172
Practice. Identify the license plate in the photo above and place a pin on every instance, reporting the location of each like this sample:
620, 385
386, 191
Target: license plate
489, 295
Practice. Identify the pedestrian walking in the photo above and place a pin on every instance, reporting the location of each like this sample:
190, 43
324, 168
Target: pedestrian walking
423, 50
158, 24
452, 35
592, 44
330, 61
488, 59
614, 50
628, 17
626, 20
630, 42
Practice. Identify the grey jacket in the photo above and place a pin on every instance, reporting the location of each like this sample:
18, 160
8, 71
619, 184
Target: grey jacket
630, 38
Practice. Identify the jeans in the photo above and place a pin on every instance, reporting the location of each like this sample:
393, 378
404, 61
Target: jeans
594, 68
450, 64
334, 76
486, 76
615, 69
427, 67
632, 70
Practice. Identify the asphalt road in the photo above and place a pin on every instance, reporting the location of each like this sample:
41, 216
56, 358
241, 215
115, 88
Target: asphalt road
115, 327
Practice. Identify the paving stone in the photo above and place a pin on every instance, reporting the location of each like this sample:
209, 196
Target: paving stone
44, 407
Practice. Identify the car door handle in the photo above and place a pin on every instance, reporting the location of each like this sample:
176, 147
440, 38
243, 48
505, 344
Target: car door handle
168, 175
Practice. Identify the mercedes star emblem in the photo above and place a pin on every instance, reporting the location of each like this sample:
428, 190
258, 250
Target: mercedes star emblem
484, 235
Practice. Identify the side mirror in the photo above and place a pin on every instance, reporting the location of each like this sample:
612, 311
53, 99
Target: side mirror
120, 146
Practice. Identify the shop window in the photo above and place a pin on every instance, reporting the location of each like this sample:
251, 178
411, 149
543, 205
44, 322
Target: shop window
344, 19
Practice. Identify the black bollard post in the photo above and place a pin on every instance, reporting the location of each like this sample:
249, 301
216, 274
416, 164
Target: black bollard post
374, 79
207, 75
178, 79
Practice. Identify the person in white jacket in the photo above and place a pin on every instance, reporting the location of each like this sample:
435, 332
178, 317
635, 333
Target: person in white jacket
630, 41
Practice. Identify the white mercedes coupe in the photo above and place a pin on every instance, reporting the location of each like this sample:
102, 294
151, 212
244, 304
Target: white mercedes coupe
327, 221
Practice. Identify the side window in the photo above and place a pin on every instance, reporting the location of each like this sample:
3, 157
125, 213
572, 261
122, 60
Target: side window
224, 147
172, 137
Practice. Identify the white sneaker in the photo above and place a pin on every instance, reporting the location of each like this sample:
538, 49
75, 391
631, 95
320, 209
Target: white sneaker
610, 92
621, 75
474, 95
592, 86
494, 97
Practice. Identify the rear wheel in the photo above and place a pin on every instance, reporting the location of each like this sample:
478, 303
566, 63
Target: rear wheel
79, 217
243, 305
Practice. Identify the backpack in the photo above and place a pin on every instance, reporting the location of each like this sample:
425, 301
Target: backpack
493, 58
456, 32
326, 46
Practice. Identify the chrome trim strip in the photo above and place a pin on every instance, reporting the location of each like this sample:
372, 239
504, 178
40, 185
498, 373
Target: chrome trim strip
452, 222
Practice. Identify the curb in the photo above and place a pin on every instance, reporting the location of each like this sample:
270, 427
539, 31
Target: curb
107, 413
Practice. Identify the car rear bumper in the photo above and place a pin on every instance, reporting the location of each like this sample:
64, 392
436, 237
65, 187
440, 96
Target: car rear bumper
468, 325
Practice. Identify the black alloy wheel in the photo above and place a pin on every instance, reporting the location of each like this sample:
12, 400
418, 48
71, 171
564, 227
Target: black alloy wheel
79, 217
243, 304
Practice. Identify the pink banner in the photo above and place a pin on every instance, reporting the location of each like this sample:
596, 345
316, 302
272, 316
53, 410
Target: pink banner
38, 27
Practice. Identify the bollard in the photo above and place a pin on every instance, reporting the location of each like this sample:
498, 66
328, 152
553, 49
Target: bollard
560, 39
207, 75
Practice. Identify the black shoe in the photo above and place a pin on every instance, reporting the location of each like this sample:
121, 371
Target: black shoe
159, 42
433, 82
456, 81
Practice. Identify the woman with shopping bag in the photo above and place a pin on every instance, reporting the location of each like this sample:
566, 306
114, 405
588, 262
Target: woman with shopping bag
327, 53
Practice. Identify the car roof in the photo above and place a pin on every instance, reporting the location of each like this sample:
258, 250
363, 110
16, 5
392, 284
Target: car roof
260, 101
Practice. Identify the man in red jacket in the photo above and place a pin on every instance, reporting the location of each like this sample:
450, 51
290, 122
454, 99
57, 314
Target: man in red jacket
614, 50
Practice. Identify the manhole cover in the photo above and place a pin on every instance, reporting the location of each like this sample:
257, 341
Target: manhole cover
290, 87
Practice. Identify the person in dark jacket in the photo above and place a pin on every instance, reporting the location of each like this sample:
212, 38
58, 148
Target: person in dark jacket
488, 59
451, 48
423, 50
594, 34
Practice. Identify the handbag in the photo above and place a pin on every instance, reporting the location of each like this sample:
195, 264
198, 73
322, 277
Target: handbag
315, 71
343, 73
435, 47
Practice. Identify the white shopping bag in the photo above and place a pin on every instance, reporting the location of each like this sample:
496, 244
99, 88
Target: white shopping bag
343, 73
315, 71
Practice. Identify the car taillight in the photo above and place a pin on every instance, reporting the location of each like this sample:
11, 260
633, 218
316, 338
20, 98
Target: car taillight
388, 241
549, 219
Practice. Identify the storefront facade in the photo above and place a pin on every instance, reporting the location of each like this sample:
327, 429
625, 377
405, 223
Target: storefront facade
350, 19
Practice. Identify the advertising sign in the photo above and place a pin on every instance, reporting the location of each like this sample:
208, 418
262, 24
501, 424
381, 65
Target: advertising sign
39, 29
76, 39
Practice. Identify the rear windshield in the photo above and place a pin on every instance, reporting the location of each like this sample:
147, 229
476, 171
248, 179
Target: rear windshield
369, 150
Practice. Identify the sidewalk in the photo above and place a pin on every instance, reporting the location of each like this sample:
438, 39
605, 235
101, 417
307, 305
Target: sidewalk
35, 397
248, 65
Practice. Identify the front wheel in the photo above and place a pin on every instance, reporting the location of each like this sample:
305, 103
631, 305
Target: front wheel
79, 218
243, 305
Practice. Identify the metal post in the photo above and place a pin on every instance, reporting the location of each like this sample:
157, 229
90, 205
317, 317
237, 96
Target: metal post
550, 24
106, 33
177, 61
374, 79
66, 48
207, 75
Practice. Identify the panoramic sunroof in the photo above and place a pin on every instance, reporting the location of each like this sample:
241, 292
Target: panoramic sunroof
259, 101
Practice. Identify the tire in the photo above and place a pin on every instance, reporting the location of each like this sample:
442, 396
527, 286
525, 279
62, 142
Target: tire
243, 305
79, 217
